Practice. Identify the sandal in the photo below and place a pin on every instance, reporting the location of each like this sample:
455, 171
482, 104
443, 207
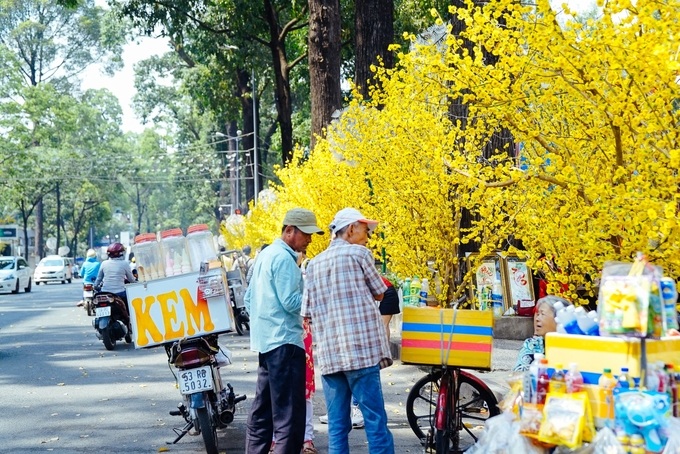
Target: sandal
308, 448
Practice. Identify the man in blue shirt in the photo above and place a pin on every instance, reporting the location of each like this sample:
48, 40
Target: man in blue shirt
273, 300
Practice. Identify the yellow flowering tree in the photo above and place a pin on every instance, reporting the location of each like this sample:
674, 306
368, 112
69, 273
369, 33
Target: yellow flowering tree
592, 106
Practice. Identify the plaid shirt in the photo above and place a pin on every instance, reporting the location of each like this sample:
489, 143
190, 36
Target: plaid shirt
339, 291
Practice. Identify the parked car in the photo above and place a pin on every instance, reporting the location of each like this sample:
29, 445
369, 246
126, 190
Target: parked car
54, 268
14, 274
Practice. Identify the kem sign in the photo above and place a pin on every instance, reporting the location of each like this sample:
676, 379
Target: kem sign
170, 309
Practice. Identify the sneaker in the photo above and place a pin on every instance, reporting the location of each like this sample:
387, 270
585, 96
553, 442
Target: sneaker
357, 417
308, 448
323, 419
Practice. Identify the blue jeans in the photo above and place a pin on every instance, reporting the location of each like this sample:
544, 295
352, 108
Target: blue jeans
364, 385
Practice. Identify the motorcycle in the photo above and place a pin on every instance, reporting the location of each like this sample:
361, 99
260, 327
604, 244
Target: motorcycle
88, 297
208, 405
236, 294
111, 319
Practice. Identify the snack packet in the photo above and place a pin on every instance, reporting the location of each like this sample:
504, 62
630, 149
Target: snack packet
563, 420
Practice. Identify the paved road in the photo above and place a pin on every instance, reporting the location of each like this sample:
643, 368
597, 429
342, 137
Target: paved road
64, 393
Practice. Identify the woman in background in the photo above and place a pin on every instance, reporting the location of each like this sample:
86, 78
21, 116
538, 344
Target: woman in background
544, 323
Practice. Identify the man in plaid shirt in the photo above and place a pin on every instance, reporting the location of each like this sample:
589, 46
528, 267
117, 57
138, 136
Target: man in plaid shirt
341, 294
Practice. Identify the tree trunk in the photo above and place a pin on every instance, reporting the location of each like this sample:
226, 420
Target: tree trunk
59, 223
39, 242
499, 146
284, 105
324, 63
374, 32
247, 141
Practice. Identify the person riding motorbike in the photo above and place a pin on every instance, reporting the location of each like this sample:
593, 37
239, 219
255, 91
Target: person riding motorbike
114, 273
90, 268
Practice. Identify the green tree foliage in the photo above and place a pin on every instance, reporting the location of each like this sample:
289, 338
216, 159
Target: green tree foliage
44, 47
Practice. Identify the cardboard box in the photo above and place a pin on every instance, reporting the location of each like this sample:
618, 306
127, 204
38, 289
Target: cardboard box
426, 332
174, 308
593, 354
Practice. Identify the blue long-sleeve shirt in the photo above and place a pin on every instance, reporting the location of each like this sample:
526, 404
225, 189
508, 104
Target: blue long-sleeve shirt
274, 298
90, 270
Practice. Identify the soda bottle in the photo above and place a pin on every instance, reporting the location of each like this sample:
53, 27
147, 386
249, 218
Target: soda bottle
557, 381
406, 292
606, 385
497, 299
531, 379
624, 380
664, 380
424, 290
673, 386
573, 379
567, 318
543, 382
415, 291
586, 322
652, 377
669, 296
484, 298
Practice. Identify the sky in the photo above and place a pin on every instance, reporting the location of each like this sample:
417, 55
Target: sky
123, 83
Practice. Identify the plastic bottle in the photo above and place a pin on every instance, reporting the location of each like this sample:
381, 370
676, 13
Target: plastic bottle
415, 291
673, 385
669, 296
543, 382
664, 380
558, 306
484, 298
606, 385
567, 318
652, 381
424, 290
200, 245
532, 377
149, 257
557, 381
497, 299
573, 379
624, 380
175, 254
406, 291
586, 323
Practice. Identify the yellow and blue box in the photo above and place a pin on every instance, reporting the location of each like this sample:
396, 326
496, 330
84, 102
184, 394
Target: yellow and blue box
593, 354
425, 334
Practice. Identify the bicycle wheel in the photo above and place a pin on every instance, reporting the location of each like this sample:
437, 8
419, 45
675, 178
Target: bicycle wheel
476, 403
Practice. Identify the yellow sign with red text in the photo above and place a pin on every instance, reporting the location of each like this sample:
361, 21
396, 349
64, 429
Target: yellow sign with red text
172, 308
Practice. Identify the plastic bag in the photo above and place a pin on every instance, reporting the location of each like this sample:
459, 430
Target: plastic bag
501, 436
629, 299
606, 443
672, 430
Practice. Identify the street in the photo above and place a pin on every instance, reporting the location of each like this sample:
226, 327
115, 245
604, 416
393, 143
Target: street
65, 393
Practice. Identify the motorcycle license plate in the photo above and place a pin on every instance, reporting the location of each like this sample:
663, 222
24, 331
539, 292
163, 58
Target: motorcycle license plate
103, 311
195, 380
88, 294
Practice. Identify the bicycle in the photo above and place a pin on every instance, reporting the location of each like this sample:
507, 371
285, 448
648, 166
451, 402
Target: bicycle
431, 400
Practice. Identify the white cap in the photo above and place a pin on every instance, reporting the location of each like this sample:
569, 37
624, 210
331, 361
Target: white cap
348, 216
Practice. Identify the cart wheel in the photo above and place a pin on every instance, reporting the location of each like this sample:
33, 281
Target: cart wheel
476, 404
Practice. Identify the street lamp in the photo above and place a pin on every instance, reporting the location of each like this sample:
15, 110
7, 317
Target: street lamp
238, 169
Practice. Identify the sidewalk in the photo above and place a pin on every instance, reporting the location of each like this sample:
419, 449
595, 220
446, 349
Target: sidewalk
396, 381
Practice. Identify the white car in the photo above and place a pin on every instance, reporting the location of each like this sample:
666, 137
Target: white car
14, 274
53, 268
